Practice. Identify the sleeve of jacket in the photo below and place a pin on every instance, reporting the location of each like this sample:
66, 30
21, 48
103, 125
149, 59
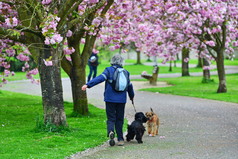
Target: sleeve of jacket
130, 91
99, 79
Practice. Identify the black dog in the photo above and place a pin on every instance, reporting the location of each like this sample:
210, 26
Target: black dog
136, 128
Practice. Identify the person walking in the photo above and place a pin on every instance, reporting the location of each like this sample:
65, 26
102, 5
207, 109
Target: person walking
115, 101
93, 64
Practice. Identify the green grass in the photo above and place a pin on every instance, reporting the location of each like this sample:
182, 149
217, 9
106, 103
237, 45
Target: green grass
226, 62
193, 87
18, 114
138, 69
133, 69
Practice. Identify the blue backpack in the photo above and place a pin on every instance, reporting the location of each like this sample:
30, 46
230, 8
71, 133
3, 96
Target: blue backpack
120, 79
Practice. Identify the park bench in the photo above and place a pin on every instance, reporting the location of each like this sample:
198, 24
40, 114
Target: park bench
152, 78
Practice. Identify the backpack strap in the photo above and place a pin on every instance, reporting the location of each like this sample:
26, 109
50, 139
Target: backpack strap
110, 79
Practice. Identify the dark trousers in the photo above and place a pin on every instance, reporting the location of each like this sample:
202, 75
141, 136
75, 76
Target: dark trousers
92, 70
115, 118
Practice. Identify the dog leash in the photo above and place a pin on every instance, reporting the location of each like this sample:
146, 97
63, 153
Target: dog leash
133, 105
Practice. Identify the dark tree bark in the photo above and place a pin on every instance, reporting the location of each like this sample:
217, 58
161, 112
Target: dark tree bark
51, 87
206, 72
170, 66
221, 71
77, 72
138, 58
199, 65
138, 53
185, 65
76, 68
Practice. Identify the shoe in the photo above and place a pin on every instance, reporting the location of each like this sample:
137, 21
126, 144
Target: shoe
120, 143
111, 141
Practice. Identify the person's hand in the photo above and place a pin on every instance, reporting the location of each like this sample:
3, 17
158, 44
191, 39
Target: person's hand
84, 87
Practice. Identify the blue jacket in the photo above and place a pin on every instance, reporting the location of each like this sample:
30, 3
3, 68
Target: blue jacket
110, 95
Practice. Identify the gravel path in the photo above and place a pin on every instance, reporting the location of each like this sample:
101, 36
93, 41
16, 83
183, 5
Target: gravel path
191, 128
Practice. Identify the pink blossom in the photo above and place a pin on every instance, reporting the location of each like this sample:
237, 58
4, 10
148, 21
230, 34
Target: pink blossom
27, 65
57, 38
93, 1
69, 51
10, 52
86, 28
48, 63
68, 58
2, 59
235, 43
69, 33
206, 68
95, 51
11, 22
97, 21
8, 22
23, 57
172, 10
186, 60
210, 43
6, 65
117, 46
82, 41
52, 41
4, 81
46, 2
14, 21
34, 71
47, 41
6, 73
111, 48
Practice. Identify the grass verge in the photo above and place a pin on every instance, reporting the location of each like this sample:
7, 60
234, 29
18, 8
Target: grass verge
193, 87
20, 139
133, 69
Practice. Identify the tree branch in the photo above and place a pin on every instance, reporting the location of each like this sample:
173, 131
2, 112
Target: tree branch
210, 52
66, 9
8, 34
86, 14
66, 65
33, 7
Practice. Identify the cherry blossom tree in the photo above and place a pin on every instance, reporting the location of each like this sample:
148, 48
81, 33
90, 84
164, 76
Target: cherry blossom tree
211, 23
83, 36
42, 26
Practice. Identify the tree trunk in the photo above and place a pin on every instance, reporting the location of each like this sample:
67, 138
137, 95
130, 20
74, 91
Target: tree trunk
51, 88
77, 74
78, 79
175, 63
148, 59
221, 71
199, 65
170, 66
206, 72
185, 65
138, 61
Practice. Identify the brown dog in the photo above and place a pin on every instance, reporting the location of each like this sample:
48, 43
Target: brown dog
152, 123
